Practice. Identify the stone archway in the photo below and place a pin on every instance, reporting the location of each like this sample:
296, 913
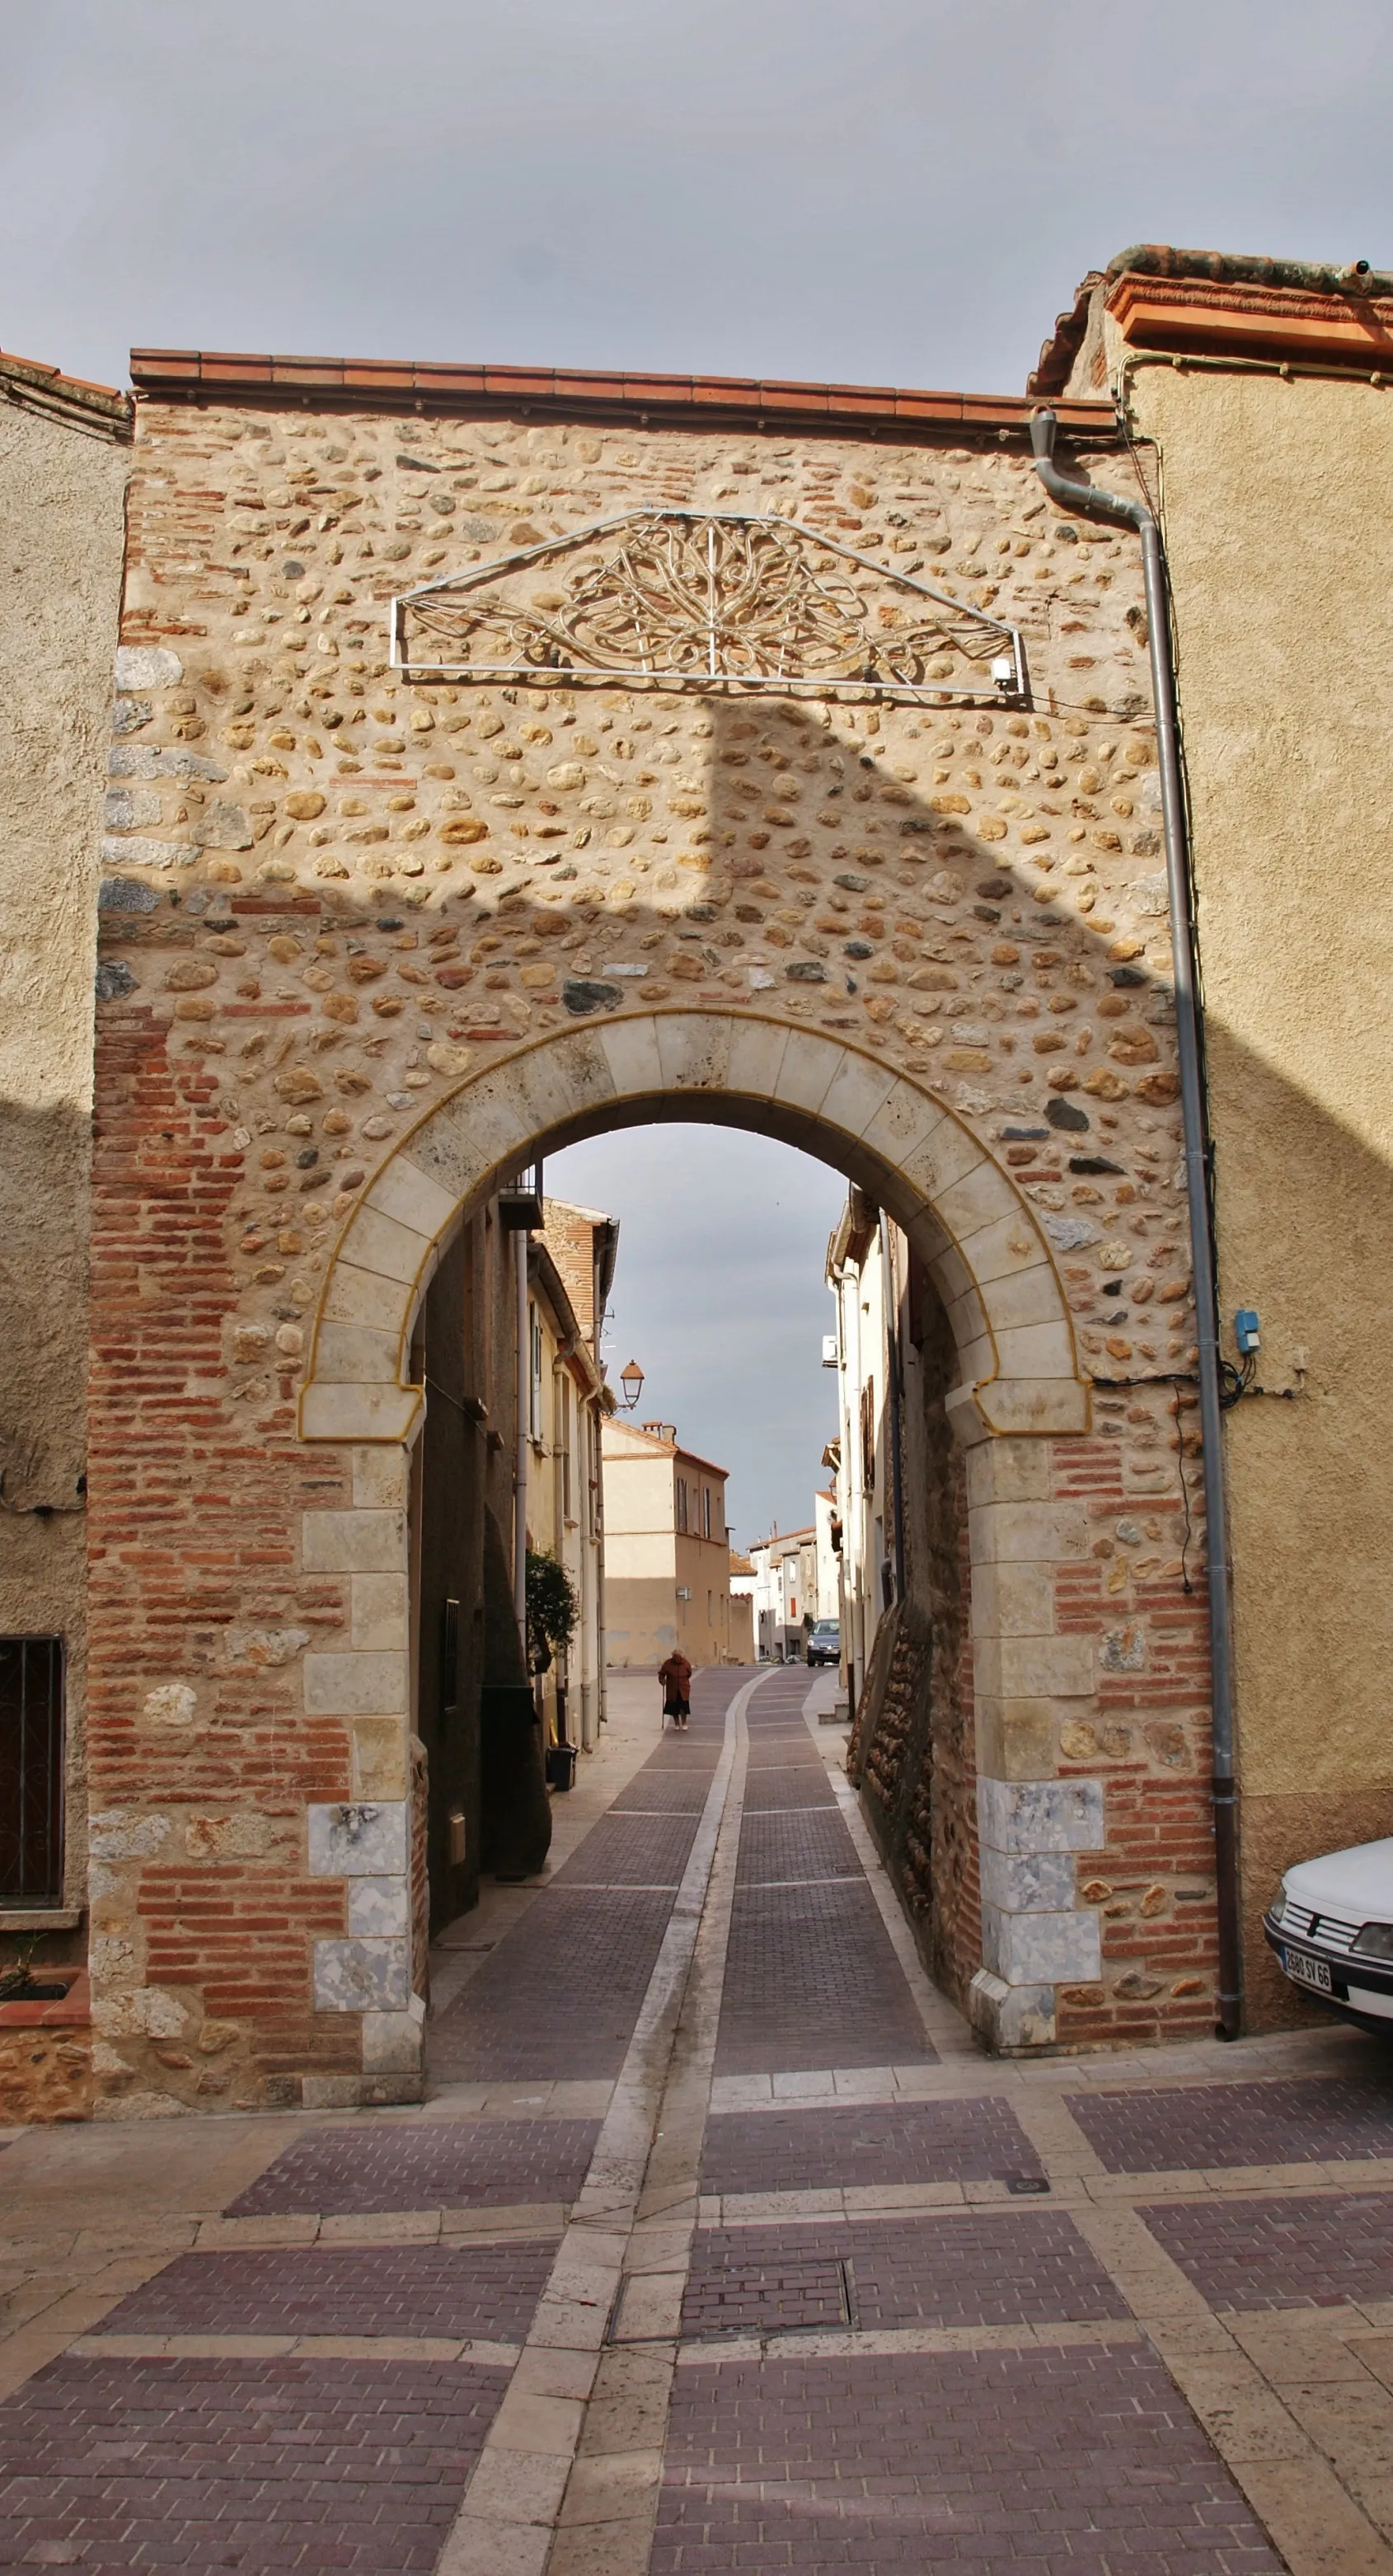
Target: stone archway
884, 883
980, 1237
1019, 1388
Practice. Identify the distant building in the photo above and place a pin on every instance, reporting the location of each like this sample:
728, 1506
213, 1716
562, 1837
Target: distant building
828, 1525
863, 1452
667, 1553
785, 1594
742, 1609
570, 1265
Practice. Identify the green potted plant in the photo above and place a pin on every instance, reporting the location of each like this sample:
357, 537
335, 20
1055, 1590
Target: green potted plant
553, 1608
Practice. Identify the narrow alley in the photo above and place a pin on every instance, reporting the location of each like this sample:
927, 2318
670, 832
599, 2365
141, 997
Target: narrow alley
717, 2245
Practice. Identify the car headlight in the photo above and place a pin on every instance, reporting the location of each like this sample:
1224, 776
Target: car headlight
1375, 1941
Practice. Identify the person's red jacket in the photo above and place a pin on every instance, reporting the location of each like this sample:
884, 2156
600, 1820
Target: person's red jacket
676, 1676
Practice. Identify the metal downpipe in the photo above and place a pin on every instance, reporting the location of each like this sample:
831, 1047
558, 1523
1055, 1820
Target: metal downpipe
524, 1397
1092, 503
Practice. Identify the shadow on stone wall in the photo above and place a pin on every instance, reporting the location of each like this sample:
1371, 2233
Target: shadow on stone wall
971, 894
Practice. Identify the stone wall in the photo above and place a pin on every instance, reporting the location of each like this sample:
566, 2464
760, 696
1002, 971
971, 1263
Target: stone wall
334, 898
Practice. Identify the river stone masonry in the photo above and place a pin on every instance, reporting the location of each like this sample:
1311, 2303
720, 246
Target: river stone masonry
333, 897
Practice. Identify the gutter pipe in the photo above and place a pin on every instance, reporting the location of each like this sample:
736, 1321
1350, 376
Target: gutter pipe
1095, 504
524, 1396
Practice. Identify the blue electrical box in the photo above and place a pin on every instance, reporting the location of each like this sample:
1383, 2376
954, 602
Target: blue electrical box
1245, 1326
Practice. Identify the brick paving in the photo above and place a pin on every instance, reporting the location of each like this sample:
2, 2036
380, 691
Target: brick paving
1300, 2120
361, 2290
661, 1792
989, 2268
1047, 2463
428, 2164
1297, 2251
811, 1980
267, 2466
1074, 2457
863, 2145
786, 1784
560, 1995
812, 1843
632, 1850
786, 2285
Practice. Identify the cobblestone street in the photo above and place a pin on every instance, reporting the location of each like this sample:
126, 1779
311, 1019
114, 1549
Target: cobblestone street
716, 2245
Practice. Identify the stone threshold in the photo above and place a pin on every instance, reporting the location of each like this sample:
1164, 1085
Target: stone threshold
305, 2347
847, 2343
1065, 2191
515, 2223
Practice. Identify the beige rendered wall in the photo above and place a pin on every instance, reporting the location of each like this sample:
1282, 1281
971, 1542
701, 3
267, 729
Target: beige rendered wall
640, 1581
1273, 502
61, 498
703, 1569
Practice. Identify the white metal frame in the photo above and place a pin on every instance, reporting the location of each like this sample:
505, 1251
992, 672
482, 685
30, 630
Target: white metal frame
1010, 686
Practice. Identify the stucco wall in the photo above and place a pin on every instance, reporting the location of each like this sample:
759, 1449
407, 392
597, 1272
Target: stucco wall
1284, 625
61, 500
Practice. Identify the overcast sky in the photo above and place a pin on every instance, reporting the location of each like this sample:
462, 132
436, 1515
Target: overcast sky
719, 1295
888, 191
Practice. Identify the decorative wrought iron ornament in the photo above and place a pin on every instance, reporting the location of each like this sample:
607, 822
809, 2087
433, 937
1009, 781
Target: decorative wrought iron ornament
706, 600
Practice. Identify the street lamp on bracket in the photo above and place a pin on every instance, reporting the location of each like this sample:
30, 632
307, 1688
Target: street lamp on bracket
631, 1380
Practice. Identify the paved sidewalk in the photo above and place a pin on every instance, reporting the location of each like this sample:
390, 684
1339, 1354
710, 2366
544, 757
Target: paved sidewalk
717, 2246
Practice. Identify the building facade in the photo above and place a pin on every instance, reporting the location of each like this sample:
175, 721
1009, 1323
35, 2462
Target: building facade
1257, 392
384, 914
667, 1553
785, 1597
64, 462
742, 1609
567, 1404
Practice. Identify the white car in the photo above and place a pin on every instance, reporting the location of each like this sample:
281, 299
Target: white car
1331, 1925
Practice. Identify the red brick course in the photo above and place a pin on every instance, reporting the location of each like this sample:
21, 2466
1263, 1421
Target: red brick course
194, 1512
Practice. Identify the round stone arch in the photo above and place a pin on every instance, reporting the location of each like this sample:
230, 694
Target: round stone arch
1019, 1391
1018, 1361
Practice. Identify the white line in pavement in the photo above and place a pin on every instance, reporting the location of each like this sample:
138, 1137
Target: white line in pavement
511, 2510
304, 2347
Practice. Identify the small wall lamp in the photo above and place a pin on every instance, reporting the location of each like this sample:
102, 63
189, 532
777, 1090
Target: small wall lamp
631, 1380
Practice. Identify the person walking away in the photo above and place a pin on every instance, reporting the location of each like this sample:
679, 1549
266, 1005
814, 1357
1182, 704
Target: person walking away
676, 1678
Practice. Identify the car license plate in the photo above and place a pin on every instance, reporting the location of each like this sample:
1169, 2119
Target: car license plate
1307, 1971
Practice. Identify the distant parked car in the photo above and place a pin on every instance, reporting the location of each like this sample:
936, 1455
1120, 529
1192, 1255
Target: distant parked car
825, 1642
1331, 1925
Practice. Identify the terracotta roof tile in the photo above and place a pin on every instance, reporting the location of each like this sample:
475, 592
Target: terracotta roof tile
175, 372
36, 387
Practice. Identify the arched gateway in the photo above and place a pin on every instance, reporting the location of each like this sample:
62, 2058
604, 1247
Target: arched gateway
773, 774
1018, 1386
978, 1236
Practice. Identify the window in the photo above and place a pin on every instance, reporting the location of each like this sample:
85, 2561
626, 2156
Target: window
682, 1502
706, 1511
567, 1505
31, 1770
534, 1375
